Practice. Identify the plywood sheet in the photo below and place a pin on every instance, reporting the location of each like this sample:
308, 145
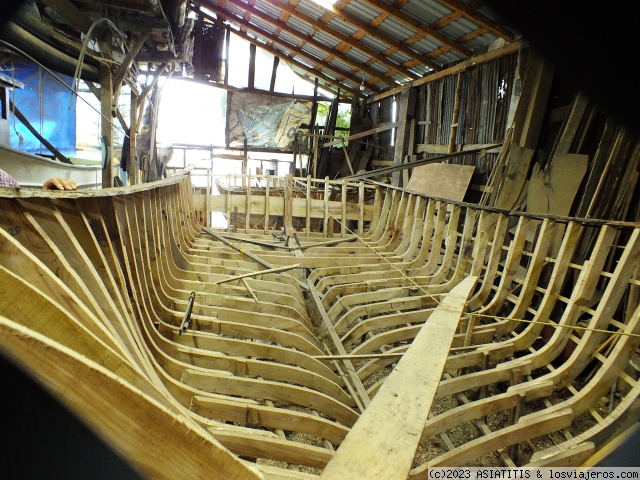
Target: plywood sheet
442, 180
554, 190
514, 178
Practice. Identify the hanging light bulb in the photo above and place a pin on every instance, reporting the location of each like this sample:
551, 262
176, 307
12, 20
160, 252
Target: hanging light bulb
362, 84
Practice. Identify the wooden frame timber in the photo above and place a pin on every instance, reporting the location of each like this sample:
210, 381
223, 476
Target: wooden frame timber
278, 352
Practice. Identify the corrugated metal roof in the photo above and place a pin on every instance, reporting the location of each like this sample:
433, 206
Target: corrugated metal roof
343, 27
362, 10
413, 40
396, 30
310, 8
326, 39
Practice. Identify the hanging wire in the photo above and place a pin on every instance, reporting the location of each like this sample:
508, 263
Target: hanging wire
76, 76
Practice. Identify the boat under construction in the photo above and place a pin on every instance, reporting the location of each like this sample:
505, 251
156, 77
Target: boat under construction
427, 255
407, 333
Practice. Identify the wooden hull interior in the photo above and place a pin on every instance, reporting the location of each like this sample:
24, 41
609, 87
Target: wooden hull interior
398, 334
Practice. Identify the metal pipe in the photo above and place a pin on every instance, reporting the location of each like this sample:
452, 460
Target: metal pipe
187, 315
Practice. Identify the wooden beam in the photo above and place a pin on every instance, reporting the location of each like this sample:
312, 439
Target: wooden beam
272, 85
424, 161
126, 63
474, 15
414, 23
323, 25
252, 66
471, 62
360, 391
377, 33
383, 441
250, 255
294, 48
313, 71
132, 166
288, 205
255, 274
19, 115
406, 111
72, 13
380, 128
106, 127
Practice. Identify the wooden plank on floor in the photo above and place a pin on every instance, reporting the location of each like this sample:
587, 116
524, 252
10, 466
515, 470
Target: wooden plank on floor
383, 441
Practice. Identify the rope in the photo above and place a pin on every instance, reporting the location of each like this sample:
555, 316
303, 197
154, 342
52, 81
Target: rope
495, 317
557, 325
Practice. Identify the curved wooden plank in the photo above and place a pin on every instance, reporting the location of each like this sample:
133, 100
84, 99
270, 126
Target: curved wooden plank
391, 425
111, 406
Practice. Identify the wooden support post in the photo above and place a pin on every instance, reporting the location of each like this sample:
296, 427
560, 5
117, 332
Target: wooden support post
252, 66
406, 173
227, 197
132, 166
266, 204
308, 195
361, 208
227, 41
325, 220
347, 159
106, 127
406, 110
247, 214
288, 205
343, 219
456, 114
235, 219
245, 163
276, 61
316, 153
207, 220
250, 290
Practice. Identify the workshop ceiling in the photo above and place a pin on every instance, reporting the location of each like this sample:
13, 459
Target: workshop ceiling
376, 43
357, 46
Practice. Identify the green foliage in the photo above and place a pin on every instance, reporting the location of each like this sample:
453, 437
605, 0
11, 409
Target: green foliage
343, 119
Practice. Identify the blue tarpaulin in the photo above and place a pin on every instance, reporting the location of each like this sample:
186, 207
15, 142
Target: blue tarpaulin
44, 101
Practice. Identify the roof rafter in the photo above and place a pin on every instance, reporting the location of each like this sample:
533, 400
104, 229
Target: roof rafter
298, 49
367, 29
421, 27
351, 42
316, 71
473, 14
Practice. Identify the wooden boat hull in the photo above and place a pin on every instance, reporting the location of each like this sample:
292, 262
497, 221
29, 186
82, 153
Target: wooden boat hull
253, 357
